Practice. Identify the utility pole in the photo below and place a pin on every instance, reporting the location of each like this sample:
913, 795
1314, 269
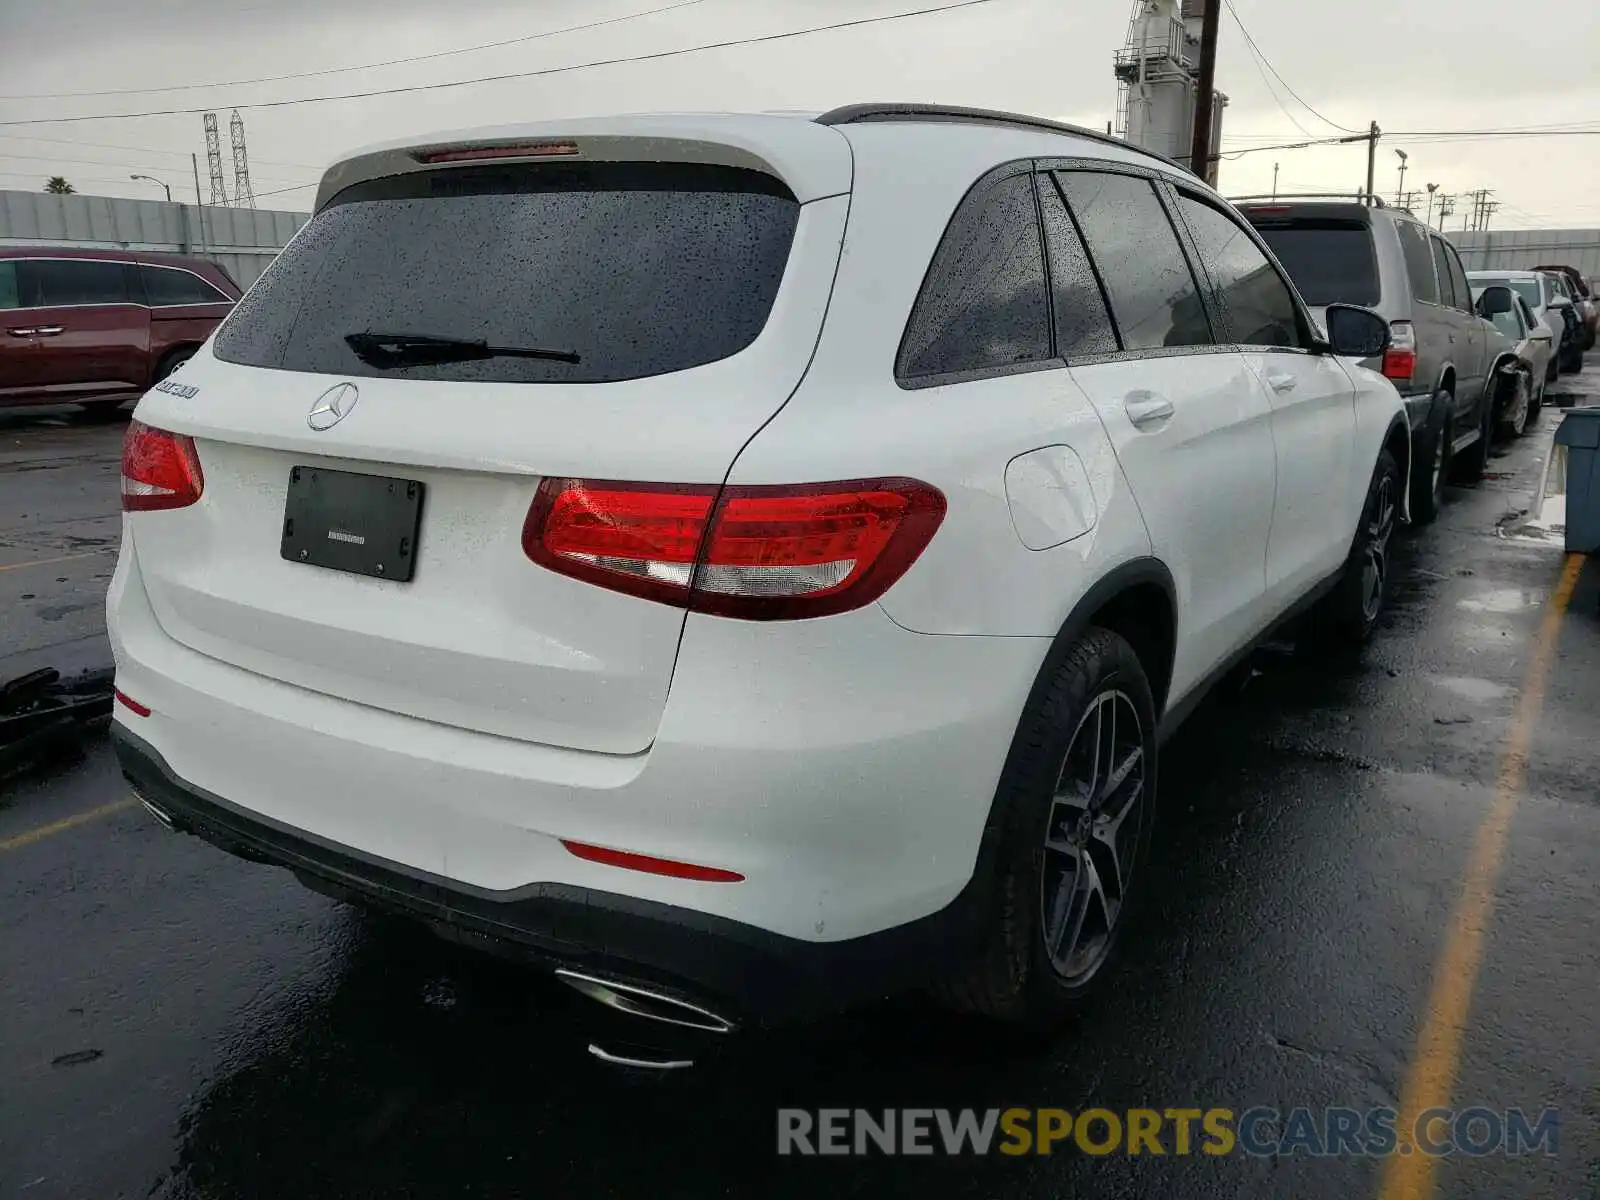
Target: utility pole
1447, 205
1407, 200
1373, 134
1274, 181
1400, 192
1205, 90
199, 204
1488, 211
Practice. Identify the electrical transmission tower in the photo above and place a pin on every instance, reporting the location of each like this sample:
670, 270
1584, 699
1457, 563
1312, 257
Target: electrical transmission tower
1482, 206
219, 194
244, 195
1447, 205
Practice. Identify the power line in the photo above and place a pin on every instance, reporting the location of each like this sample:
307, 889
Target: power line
393, 62
1263, 58
1255, 56
534, 74
98, 162
28, 137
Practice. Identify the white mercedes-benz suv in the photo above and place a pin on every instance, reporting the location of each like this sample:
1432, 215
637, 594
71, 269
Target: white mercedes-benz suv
746, 564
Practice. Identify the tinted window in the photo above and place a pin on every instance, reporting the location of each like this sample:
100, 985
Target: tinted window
1441, 265
983, 303
1419, 262
165, 285
1528, 319
69, 281
1153, 293
1330, 261
1083, 325
9, 296
1458, 278
1257, 304
639, 269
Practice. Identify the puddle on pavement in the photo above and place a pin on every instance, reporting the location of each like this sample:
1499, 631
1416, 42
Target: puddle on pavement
1468, 688
1502, 600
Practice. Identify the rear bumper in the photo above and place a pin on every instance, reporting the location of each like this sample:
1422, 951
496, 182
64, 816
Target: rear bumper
749, 975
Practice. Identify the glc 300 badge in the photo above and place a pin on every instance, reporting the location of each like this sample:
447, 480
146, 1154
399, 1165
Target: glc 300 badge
187, 390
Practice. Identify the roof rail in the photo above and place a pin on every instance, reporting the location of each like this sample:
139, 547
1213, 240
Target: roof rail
850, 114
1371, 201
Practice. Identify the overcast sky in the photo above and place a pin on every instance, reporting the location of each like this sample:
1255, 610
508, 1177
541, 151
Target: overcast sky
1412, 65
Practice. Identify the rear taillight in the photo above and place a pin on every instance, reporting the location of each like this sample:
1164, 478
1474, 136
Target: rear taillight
760, 553
159, 469
1400, 359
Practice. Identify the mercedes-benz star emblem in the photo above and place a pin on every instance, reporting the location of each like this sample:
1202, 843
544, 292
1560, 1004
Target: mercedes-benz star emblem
332, 406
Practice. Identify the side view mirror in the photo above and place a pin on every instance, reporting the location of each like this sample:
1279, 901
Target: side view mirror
1495, 301
1355, 332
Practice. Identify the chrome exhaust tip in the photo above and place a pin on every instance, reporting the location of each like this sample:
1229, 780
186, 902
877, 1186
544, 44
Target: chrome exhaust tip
157, 813
636, 1063
644, 1002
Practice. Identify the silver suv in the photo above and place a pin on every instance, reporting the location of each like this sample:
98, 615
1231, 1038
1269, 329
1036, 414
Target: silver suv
1443, 354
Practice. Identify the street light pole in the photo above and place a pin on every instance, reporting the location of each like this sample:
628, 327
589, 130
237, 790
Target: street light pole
1432, 188
157, 182
1400, 192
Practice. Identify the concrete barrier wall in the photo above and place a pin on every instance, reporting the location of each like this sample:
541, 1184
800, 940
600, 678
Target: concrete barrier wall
1518, 249
241, 240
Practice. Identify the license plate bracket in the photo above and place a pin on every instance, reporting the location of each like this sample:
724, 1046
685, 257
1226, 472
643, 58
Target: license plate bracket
346, 521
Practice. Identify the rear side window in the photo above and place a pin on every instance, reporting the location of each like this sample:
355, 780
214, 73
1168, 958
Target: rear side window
1083, 323
1259, 308
632, 269
1419, 262
10, 297
1331, 261
1447, 287
166, 285
1153, 293
66, 281
1458, 278
983, 302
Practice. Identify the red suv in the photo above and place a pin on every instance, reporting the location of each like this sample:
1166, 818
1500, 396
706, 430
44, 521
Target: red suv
94, 327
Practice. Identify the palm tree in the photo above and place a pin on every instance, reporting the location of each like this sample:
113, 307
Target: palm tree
57, 185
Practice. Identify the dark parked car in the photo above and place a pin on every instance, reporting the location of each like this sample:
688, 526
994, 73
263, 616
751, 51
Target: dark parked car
1586, 302
94, 327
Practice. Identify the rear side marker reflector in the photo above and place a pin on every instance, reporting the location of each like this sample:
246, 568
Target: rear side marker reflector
129, 703
159, 469
652, 866
762, 553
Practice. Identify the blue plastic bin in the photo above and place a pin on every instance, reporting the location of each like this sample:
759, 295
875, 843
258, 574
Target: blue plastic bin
1580, 434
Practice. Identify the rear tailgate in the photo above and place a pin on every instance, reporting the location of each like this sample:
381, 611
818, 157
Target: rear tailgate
692, 296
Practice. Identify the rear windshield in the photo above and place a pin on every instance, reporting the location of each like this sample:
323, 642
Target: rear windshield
631, 269
1528, 289
1331, 262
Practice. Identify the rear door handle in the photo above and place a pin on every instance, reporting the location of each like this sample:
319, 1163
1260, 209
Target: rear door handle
29, 332
49, 330
1146, 409
1281, 382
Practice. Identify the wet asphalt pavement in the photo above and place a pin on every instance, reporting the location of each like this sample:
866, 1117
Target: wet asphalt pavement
177, 1023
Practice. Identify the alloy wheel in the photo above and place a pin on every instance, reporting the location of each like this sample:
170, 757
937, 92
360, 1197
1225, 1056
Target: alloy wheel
1375, 550
1097, 818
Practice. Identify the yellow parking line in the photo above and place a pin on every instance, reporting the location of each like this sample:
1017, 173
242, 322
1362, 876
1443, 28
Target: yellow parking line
45, 562
1408, 1174
66, 823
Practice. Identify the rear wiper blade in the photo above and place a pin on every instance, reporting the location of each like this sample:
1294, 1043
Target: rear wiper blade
388, 350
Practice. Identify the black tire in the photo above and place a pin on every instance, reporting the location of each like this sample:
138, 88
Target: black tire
173, 360
1574, 363
1344, 619
102, 410
1535, 403
1553, 371
1431, 462
1014, 979
1518, 410
1468, 466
